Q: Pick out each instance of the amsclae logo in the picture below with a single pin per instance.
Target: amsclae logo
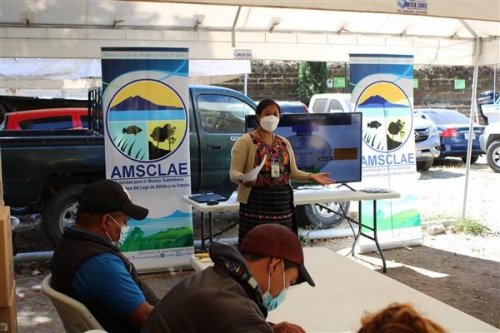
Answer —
(146, 120)
(387, 116)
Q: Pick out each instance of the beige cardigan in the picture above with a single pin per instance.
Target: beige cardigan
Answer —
(243, 159)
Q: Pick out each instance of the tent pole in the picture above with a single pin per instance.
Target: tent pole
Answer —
(473, 110)
(494, 82)
(245, 85)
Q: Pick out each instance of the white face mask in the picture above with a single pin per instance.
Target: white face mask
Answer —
(269, 123)
(123, 233)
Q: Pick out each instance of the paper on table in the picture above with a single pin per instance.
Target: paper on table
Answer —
(252, 175)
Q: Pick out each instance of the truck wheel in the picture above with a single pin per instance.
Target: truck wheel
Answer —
(425, 165)
(493, 156)
(315, 216)
(60, 211)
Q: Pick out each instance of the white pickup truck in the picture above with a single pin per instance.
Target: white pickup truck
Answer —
(426, 135)
(490, 139)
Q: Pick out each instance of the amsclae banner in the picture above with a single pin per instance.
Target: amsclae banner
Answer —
(382, 89)
(145, 103)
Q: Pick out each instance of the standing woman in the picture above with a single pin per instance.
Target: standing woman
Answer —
(269, 198)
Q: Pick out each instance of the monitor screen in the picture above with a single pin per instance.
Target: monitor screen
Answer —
(323, 142)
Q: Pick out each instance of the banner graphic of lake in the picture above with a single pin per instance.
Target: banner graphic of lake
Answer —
(146, 120)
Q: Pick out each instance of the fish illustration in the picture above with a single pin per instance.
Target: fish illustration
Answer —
(133, 129)
(374, 124)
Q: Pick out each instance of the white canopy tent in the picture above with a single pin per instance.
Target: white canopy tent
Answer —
(442, 34)
(437, 32)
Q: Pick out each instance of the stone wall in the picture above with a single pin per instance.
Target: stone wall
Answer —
(278, 80)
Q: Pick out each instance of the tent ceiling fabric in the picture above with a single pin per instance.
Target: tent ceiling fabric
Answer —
(313, 30)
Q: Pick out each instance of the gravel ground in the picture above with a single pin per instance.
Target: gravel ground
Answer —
(458, 269)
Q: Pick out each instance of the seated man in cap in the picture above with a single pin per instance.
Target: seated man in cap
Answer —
(88, 266)
(237, 292)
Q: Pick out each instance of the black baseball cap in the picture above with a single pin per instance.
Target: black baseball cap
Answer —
(107, 196)
(277, 241)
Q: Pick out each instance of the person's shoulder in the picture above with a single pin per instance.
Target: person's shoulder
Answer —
(104, 262)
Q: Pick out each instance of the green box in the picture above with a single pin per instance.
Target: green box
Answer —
(415, 83)
(339, 82)
(459, 84)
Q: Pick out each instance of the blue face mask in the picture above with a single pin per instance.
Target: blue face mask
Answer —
(270, 302)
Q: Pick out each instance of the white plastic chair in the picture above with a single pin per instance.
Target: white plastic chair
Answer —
(75, 316)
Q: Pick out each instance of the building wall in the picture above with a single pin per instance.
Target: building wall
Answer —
(278, 80)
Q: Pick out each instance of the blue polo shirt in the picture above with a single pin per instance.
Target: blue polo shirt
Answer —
(104, 278)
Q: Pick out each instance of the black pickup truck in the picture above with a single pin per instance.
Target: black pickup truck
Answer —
(45, 170)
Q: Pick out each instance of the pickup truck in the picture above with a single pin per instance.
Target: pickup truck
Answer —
(53, 118)
(45, 170)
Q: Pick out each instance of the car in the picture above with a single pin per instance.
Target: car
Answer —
(46, 119)
(453, 128)
(427, 142)
(292, 107)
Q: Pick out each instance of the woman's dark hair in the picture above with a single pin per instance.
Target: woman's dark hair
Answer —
(264, 103)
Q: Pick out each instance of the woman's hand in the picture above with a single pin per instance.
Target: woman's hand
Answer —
(322, 178)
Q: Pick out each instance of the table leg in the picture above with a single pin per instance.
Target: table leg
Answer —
(211, 226)
(384, 269)
(356, 236)
(202, 231)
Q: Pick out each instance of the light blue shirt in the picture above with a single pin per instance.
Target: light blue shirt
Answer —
(105, 279)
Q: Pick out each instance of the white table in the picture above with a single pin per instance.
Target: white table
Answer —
(345, 289)
(305, 196)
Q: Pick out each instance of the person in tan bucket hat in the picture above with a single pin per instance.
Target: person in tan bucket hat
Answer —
(236, 293)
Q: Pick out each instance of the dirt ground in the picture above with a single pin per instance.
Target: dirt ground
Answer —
(458, 269)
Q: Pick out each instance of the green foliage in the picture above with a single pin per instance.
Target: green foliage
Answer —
(170, 238)
(470, 226)
(312, 80)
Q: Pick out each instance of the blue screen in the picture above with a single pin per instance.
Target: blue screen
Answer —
(323, 142)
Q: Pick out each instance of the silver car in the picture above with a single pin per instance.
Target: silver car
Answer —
(426, 142)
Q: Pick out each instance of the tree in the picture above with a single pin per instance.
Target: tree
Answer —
(312, 80)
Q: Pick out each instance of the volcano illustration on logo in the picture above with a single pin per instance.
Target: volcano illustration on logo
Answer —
(146, 120)
(387, 116)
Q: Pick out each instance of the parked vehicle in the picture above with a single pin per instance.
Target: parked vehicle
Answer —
(292, 107)
(45, 170)
(326, 103)
(490, 139)
(426, 137)
(453, 128)
(46, 119)
(427, 143)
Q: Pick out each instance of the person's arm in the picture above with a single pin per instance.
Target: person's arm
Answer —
(239, 156)
(105, 279)
(297, 174)
(140, 315)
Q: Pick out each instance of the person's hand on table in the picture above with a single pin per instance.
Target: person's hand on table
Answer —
(322, 178)
(286, 327)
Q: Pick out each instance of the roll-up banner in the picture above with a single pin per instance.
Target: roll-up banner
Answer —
(145, 103)
(382, 89)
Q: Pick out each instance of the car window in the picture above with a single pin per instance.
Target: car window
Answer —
(62, 122)
(446, 117)
(335, 106)
(223, 114)
(319, 105)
